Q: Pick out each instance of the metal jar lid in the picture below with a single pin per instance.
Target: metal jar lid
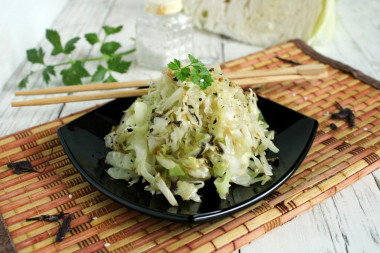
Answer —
(163, 7)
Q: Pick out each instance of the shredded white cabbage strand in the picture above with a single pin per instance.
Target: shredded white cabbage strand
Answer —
(178, 136)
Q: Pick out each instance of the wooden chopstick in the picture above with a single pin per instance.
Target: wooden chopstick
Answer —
(79, 98)
(87, 87)
(258, 81)
(312, 69)
(298, 70)
(253, 78)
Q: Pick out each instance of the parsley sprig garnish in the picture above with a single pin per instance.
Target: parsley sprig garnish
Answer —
(198, 74)
(74, 70)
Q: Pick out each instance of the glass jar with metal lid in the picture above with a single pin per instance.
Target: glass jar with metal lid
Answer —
(163, 33)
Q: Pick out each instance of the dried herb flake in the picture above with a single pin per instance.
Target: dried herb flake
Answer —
(344, 113)
(64, 228)
(333, 126)
(21, 167)
(48, 217)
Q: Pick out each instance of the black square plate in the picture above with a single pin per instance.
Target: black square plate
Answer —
(83, 141)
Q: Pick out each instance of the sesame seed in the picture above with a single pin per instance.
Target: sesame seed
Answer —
(304, 98)
(327, 113)
(94, 218)
(293, 94)
(70, 196)
(107, 244)
(202, 80)
(346, 141)
(365, 129)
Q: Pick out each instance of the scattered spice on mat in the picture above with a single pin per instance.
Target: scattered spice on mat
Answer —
(333, 126)
(92, 219)
(344, 113)
(48, 217)
(288, 61)
(21, 167)
(64, 228)
(351, 120)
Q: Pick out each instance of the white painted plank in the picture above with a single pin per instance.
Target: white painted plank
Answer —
(69, 24)
(208, 47)
(22, 25)
(302, 234)
(357, 36)
(233, 49)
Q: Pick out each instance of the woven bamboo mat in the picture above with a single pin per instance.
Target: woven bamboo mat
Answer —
(337, 159)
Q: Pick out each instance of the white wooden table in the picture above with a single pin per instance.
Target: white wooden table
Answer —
(347, 222)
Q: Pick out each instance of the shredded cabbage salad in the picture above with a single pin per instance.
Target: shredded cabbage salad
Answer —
(178, 136)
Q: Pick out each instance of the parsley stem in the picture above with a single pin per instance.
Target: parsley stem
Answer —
(100, 58)
(104, 40)
(96, 58)
(73, 70)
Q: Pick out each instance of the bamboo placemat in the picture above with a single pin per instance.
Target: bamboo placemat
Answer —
(337, 159)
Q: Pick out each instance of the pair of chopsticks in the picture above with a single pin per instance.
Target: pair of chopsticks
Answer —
(253, 78)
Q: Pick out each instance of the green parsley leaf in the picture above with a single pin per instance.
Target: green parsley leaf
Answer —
(196, 79)
(198, 65)
(22, 84)
(208, 79)
(70, 45)
(99, 74)
(174, 65)
(92, 38)
(204, 85)
(192, 59)
(199, 74)
(69, 77)
(110, 48)
(53, 37)
(183, 74)
(203, 71)
(186, 71)
(49, 70)
(80, 70)
(110, 79)
(74, 74)
(112, 30)
(35, 56)
(118, 65)
(180, 76)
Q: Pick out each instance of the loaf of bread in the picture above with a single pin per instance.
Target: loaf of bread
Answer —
(262, 22)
